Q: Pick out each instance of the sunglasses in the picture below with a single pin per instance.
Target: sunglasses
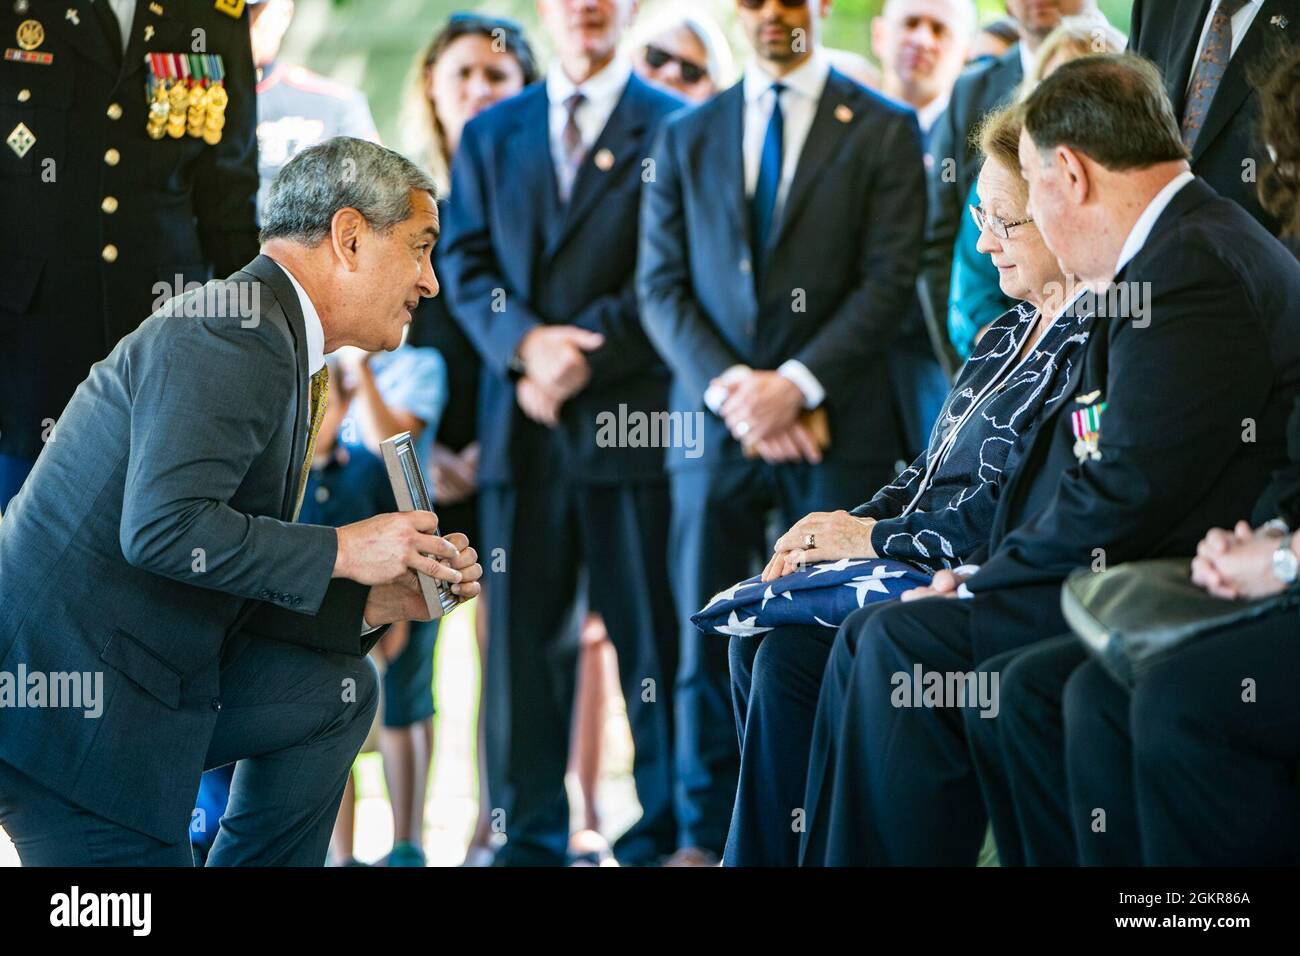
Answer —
(999, 227)
(759, 4)
(658, 58)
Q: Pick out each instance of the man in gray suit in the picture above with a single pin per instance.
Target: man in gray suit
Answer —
(153, 552)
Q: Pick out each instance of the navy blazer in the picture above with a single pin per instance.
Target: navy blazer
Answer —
(838, 269)
(1196, 414)
(515, 258)
(1167, 33)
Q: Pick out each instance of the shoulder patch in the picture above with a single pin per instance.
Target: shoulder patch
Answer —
(231, 8)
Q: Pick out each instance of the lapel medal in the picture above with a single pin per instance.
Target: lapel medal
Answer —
(1086, 424)
(604, 160)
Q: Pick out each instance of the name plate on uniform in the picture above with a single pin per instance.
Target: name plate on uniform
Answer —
(412, 494)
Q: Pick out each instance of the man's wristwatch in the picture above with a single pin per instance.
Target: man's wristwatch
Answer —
(1286, 566)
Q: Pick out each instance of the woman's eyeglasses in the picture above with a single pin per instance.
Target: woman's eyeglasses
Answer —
(999, 227)
(658, 58)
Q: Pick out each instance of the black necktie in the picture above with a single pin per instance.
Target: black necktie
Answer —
(112, 29)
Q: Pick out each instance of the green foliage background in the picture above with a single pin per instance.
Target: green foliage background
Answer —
(372, 44)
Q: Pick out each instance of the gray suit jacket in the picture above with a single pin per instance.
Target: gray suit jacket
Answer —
(155, 527)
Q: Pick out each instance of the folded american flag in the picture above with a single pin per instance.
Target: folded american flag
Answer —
(824, 593)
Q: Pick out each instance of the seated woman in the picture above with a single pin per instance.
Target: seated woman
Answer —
(931, 517)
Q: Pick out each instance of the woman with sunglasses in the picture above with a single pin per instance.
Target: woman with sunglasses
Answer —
(472, 63)
(684, 51)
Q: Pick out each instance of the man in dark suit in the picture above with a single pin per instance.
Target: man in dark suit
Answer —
(779, 244)
(953, 159)
(1214, 55)
(153, 551)
(112, 209)
(540, 253)
(1175, 420)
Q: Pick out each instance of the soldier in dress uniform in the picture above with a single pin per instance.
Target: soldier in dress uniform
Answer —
(296, 108)
(127, 169)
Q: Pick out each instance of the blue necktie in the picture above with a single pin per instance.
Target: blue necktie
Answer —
(769, 177)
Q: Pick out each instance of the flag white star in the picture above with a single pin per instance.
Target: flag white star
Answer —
(839, 565)
(875, 581)
(823, 623)
(768, 594)
(728, 594)
(737, 627)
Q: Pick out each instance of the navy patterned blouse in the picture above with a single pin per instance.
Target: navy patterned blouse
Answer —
(940, 509)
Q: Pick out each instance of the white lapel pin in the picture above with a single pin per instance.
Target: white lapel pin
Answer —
(1279, 21)
(73, 16)
(604, 160)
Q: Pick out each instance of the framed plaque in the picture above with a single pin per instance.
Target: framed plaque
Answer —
(404, 474)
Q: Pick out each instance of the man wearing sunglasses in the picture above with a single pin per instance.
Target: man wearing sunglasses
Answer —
(779, 246)
(540, 248)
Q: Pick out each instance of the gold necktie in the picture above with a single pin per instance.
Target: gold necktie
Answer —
(320, 391)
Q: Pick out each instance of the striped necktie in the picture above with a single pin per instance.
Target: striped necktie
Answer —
(571, 143)
(1209, 70)
(320, 390)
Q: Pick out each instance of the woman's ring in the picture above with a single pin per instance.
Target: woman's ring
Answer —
(810, 541)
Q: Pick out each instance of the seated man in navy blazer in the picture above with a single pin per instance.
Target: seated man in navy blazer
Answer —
(1173, 423)
(540, 251)
(780, 237)
(154, 550)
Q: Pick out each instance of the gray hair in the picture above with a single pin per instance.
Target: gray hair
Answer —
(340, 173)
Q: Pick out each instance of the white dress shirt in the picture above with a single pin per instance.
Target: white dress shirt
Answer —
(803, 90)
(125, 13)
(1027, 58)
(310, 319)
(1141, 231)
(602, 92)
(1241, 21)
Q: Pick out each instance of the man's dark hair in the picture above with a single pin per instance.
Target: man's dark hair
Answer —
(1112, 107)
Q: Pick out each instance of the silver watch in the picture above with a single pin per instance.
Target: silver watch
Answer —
(1286, 566)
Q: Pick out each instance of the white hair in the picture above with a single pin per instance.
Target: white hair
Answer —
(677, 13)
